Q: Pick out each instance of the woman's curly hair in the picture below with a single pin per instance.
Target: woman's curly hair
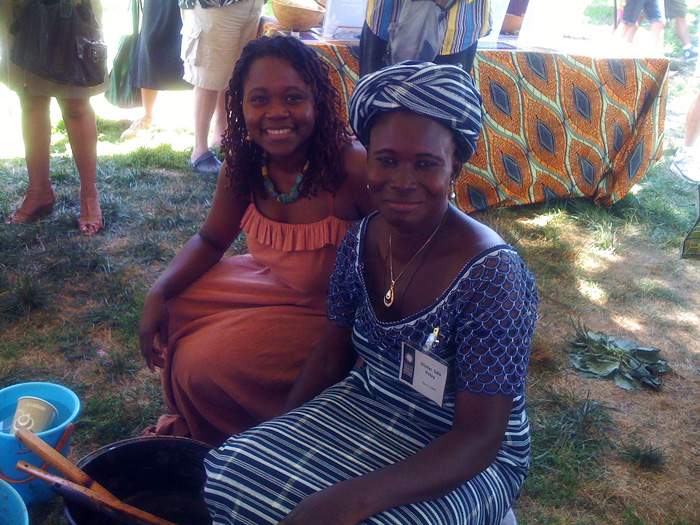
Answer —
(244, 157)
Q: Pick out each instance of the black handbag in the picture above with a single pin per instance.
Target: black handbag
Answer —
(120, 92)
(61, 41)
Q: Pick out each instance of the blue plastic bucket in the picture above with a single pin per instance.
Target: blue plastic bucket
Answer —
(13, 511)
(31, 489)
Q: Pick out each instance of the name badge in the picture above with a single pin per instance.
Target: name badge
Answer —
(423, 373)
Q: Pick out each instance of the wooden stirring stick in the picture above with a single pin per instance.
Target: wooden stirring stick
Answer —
(57, 461)
(136, 515)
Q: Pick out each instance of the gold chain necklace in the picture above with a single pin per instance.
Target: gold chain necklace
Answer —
(389, 295)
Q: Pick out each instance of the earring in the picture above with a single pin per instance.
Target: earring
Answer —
(247, 137)
(453, 191)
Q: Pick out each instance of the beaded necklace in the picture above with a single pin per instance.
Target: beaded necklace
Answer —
(285, 198)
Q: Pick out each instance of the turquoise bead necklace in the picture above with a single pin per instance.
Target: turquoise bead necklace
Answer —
(284, 198)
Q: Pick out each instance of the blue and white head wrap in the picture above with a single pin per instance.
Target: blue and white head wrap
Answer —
(443, 93)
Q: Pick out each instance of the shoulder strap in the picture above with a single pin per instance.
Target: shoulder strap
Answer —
(135, 16)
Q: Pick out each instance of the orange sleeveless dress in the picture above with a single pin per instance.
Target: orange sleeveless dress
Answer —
(240, 334)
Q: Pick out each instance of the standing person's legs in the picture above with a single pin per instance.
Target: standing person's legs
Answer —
(156, 64)
(686, 164)
(36, 132)
(630, 14)
(692, 122)
(657, 20)
(148, 97)
(677, 10)
(204, 108)
(81, 126)
(657, 36)
(144, 123)
(212, 42)
(682, 30)
(219, 120)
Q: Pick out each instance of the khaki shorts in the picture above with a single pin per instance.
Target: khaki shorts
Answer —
(675, 8)
(213, 38)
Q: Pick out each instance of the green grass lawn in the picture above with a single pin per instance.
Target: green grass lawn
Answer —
(70, 305)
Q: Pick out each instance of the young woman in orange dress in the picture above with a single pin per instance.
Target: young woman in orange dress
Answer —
(232, 333)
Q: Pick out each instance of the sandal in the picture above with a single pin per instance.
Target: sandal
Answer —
(19, 216)
(207, 163)
(91, 220)
(138, 127)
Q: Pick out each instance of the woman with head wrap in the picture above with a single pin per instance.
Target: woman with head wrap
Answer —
(429, 426)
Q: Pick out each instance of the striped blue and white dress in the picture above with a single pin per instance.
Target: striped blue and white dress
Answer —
(371, 419)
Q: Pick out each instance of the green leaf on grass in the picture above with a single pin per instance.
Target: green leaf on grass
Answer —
(630, 365)
(625, 382)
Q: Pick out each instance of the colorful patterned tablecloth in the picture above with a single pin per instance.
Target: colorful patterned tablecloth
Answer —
(555, 126)
(558, 126)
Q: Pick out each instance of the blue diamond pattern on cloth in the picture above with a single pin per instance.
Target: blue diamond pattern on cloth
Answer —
(478, 199)
(582, 102)
(619, 137)
(550, 194)
(538, 65)
(617, 69)
(544, 133)
(635, 161)
(587, 169)
(512, 168)
(500, 97)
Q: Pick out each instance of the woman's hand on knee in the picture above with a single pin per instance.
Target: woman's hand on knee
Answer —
(153, 332)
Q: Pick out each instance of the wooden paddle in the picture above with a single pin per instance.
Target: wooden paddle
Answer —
(78, 484)
(57, 461)
(79, 493)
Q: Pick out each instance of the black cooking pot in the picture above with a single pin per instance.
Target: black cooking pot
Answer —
(161, 475)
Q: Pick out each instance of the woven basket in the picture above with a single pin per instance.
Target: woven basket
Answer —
(297, 18)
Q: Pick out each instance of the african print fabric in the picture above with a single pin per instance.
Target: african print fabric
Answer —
(554, 126)
(559, 126)
(372, 419)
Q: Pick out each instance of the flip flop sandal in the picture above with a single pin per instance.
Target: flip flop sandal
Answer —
(206, 163)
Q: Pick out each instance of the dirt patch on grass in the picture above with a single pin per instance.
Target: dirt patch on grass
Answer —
(646, 293)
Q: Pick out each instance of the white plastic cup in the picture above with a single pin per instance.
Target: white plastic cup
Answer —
(33, 414)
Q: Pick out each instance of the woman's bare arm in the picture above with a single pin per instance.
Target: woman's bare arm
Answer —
(197, 256)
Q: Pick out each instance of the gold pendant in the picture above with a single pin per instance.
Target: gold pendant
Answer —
(389, 296)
